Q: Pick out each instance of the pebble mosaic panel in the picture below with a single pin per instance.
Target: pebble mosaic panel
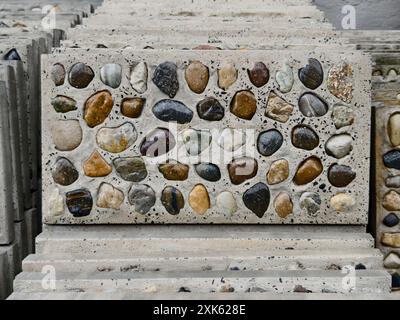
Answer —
(205, 137)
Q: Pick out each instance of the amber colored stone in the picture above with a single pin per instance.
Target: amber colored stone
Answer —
(97, 108)
(173, 170)
(132, 107)
(96, 166)
(283, 205)
(244, 105)
(196, 76)
(242, 169)
(308, 170)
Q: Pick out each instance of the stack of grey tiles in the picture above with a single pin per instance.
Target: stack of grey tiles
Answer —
(25, 34)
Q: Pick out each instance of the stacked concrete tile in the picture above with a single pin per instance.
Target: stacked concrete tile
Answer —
(23, 40)
(103, 98)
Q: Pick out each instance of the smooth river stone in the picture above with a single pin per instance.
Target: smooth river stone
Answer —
(283, 205)
(172, 111)
(166, 78)
(340, 81)
(242, 169)
(340, 176)
(55, 203)
(391, 201)
(259, 74)
(278, 172)
(138, 77)
(244, 105)
(63, 104)
(196, 141)
(285, 78)
(227, 75)
(342, 202)
(393, 182)
(80, 75)
(391, 159)
(111, 75)
(269, 142)
(392, 261)
(79, 202)
(12, 55)
(310, 202)
(64, 172)
(312, 106)
(210, 109)
(58, 74)
(339, 146)
(97, 108)
(96, 166)
(257, 199)
(304, 137)
(199, 199)
(172, 199)
(278, 109)
(131, 169)
(232, 139)
(174, 170)
(66, 134)
(312, 74)
(208, 171)
(157, 142)
(109, 197)
(342, 116)
(132, 107)
(391, 239)
(391, 220)
(116, 140)
(394, 129)
(308, 170)
(142, 197)
(196, 76)
(226, 202)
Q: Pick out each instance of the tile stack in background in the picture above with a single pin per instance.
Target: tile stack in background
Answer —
(22, 40)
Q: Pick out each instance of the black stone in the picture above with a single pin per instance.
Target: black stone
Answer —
(340, 176)
(64, 172)
(391, 159)
(157, 142)
(257, 199)
(172, 110)
(312, 106)
(3, 25)
(312, 74)
(208, 171)
(80, 75)
(210, 109)
(269, 142)
(360, 266)
(391, 220)
(395, 281)
(79, 202)
(172, 200)
(305, 138)
(12, 55)
(166, 78)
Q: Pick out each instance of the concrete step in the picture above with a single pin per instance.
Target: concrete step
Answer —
(281, 281)
(129, 295)
(320, 259)
(189, 238)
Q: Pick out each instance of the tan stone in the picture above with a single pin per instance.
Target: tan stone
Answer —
(278, 172)
(278, 109)
(391, 201)
(227, 75)
(174, 171)
(109, 197)
(199, 199)
(394, 129)
(342, 202)
(308, 170)
(283, 205)
(196, 76)
(391, 239)
(97, 108)
(340, 81)
(244, 105)
(96, 166)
